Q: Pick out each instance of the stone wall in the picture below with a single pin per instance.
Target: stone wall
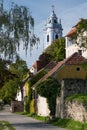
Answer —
(69, 87)
(73, 86)
(76, 110)
(17, 106)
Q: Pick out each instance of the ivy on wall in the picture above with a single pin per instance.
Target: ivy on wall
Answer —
(29, 99)
(84, 65)
(49, 89)
(81, 27)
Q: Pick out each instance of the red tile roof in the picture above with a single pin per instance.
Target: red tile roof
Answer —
(37, 65)
(71, 32)
(50, 73)
(75, 59)
(74, 28)
(51, 65)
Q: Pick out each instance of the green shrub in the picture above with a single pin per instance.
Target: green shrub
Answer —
(70, 124)
(49, 89)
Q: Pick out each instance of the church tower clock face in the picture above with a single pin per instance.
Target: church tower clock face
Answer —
(56, 30)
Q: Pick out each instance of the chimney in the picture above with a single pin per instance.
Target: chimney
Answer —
(80, 52)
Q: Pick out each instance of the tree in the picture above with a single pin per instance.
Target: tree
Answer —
(9, 90)
(2, 72)
(12, 79)
(56, 50)
(15, 29)
(19, 68)
(5, 75)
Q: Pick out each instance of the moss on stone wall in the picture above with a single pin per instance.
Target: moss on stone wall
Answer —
(78, 97)
(76, 107)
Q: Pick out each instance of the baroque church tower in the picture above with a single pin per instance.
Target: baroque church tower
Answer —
(53, 28)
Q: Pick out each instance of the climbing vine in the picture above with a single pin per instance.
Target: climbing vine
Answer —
(82, 38)
(82, 26)
(30, 83)
(84, 65)
(49, 89)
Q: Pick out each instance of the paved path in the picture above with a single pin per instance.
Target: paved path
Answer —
(21, 122)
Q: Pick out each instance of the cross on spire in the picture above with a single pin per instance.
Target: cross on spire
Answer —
(52, 8)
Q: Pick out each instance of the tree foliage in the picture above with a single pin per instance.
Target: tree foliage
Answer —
(19, 68)
(12, 78)
(15, 29)
(82, 33)
(9, 90)
(5, 75)
(49, 89)
(56, 50)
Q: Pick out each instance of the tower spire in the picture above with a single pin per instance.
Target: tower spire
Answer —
(53, 28)
(52, 8)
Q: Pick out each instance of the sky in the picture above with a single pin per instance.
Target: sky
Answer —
(69, 11)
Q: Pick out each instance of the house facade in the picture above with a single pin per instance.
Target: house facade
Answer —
(72, 76)
(71, 42)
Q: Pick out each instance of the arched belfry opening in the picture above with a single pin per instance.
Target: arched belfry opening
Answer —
(56, 36)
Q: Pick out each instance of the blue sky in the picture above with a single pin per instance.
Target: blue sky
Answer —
(69, 11)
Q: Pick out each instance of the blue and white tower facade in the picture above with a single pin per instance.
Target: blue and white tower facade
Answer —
(53, 28)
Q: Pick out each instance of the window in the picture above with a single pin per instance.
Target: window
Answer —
(55, 21)
(47, 38)
(78, 69)
(50, 21)
(56, 37)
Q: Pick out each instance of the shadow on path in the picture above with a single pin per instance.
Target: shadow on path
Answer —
(21, 122)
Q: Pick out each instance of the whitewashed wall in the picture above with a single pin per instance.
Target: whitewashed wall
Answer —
(33, 70)
(42, 107)
(72, 47)
(19, 96)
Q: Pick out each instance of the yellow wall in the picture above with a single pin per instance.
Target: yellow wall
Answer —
(70, 71)
(26, 89)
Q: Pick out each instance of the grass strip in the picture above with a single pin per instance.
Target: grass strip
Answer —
(70, 124)
(5, 124)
